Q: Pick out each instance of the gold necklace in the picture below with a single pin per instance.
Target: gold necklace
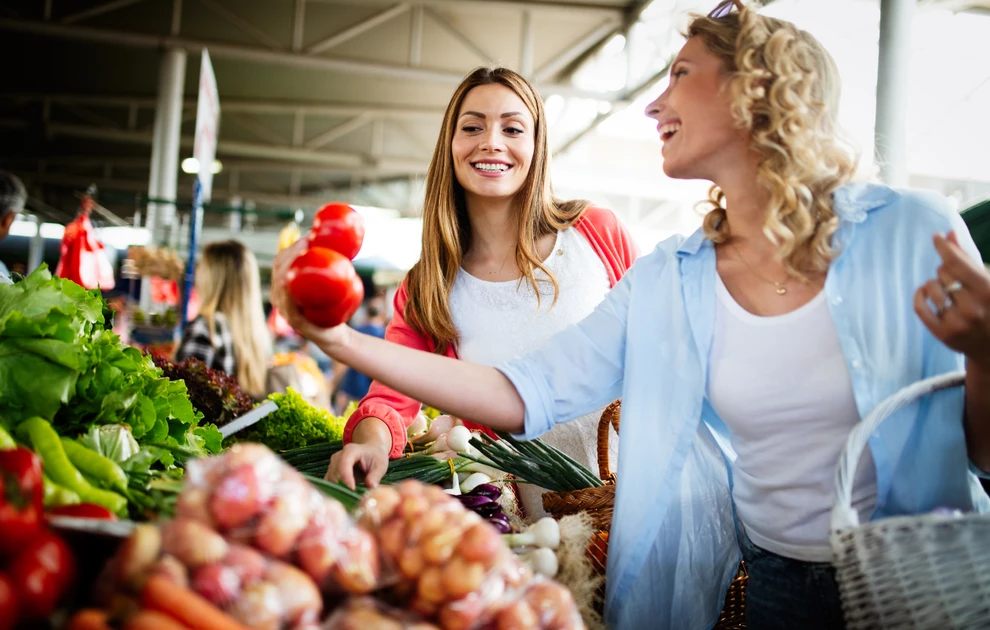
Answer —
(781, 289)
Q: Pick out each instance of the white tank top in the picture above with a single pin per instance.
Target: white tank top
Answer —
(498, 321)
(782, 387)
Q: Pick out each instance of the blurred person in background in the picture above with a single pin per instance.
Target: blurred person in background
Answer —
(505, 264)
(229, 333)
(12, 199)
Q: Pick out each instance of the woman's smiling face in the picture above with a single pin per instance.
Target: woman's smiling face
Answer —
(493, 142)
(693, 116)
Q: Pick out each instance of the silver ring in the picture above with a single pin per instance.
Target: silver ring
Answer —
(952, 287)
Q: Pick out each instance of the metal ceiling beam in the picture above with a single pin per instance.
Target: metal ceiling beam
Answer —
(256, 127)
(466, 41)
(353, 162)
(416, 36)
(540, 6)
(526, 45)
(230, 51)
(342, 129)
(298, 25)
(253, 106)
(241, 24)
(353, 31)
(99, 9)
(176, 18)
(603, 31)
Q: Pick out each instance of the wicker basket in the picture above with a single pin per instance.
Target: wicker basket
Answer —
(599, 503)
(925, 571)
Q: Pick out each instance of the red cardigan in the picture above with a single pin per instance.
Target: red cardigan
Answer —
(607, 236)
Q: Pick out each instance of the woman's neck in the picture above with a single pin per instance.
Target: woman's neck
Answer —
(494, 229)
(746, 207)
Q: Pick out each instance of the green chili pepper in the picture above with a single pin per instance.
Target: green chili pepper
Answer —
(56, 495)
(93, 465)
(46, 443)
(5, 440)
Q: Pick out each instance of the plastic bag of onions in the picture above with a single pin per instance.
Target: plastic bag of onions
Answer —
(454, 568)
(252, 497)
(365, 613)
(173, 566)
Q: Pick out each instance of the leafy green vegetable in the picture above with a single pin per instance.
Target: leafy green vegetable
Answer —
(113, 441)
(296, 423)
(58, 361)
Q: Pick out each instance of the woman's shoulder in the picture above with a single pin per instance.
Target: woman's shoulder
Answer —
(859, 201)
(598, 217)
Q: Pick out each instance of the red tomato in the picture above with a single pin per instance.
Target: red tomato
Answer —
(339, 227)
(8, 603)
(42, 573)
(84, 510)
(325, 287)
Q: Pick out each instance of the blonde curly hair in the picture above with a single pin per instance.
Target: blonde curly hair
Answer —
(784, 88)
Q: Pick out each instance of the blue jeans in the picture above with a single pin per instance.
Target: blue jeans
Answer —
(789, 594)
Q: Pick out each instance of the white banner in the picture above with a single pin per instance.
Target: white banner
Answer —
(207, 125)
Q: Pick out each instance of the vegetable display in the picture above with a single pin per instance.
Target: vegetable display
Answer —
(213, 393)
(533, 461)
(103, 419)
(295, 424)
(454, 568)
(250, 495)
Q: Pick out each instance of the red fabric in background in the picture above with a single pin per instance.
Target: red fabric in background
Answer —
(82, 258)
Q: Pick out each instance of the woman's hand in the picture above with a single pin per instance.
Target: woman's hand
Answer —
(368, 450)
(956, 306)
(326, 338)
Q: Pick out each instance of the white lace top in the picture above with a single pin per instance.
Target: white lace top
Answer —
(499, 320)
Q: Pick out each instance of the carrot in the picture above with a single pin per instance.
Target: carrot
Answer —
(89, 619)
(180, 603)
(152, 620)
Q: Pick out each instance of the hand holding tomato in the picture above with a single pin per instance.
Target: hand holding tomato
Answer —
(324, 337)
(322, 283)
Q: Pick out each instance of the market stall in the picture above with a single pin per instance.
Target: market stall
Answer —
(122, 467)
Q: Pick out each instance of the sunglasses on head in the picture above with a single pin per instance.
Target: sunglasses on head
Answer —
(724, 8)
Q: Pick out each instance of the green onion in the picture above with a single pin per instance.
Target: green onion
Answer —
(533, 462)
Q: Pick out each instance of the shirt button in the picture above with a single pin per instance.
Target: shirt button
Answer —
(837, 300)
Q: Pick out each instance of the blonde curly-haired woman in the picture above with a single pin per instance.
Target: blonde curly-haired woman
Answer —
(745, 353)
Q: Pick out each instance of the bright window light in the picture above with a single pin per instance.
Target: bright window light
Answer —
(191, 165)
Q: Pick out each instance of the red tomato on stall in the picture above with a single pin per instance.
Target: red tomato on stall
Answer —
(42, 573)
(325, 286)
(339, 227)
(8, 603)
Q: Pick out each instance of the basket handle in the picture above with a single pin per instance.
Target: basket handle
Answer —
(609, 416)
(843, 515)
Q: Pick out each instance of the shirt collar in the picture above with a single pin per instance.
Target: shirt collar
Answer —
(850, 203)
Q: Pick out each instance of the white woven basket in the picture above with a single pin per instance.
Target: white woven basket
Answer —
(926, 571)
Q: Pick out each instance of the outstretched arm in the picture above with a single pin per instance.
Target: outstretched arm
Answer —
(459, 388)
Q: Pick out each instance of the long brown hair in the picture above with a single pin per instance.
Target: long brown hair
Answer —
(228, 282)
(447, 230)
(784, 88)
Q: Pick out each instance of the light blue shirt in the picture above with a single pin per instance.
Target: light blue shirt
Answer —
(672, 547)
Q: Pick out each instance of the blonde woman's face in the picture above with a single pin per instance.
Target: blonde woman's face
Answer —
(493, 142)
(694, 119)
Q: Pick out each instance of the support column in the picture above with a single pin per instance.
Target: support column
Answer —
(36, 248)
(164, 175)
(893, 76)
(526, 46)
